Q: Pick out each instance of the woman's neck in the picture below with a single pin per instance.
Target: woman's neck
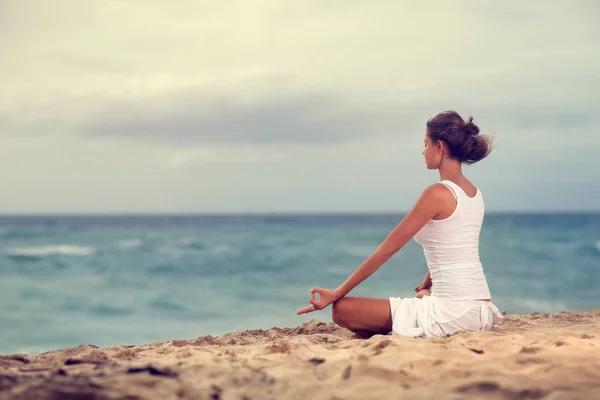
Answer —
(450, 170)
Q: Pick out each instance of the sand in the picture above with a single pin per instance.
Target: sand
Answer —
(530, 356)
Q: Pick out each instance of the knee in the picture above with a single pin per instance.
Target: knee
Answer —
(339, 311)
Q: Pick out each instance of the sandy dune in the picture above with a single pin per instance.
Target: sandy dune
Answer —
(531, 356)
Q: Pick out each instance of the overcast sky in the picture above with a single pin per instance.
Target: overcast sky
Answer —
(282, 106)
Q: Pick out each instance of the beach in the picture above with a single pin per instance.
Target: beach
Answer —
(529, 356)
(179, 179)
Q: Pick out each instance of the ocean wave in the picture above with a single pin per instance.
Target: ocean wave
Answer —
(107, 310)
(129, 243)
(538, 305)
(23, 233)
(223, 249)
(164, 269)
(167, 305)
(192, 243)
(182, 246)
(41, 251)
(590, 249)
(170, 251)
(339, 271)
(542, 250)
(357, 250)
(179, 249)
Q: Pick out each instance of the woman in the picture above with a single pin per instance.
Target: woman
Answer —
(446, 220)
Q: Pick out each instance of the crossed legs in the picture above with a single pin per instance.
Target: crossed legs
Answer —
(365, 316)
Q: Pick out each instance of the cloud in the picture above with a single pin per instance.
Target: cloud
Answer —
(298, 105)
(272, 73)
(229, 155)
(202, 116)
(276, 110)
(198, 117)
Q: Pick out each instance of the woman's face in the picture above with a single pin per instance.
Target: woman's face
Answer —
(432, 152)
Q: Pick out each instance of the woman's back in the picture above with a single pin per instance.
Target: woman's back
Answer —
(451, 247)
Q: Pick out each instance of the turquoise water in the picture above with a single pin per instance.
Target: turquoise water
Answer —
(101, 280)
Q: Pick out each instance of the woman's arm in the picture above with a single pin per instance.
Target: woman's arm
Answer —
(427, 206)
(426, 282)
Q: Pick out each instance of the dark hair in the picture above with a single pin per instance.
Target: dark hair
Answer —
(462, 138)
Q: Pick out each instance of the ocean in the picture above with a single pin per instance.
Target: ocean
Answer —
(113, 280)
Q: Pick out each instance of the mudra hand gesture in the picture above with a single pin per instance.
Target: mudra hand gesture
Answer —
(422, 292)
(327, 297)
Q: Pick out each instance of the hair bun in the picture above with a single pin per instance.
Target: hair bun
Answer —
(471, 128)
(462, 138)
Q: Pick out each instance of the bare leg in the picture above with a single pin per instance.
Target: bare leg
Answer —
(365, 316)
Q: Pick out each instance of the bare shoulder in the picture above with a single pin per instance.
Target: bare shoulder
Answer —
(436, 201)
(436, 192)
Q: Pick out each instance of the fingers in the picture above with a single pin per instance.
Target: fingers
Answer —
(316, 304)
(306, 310)
(313, 300)
(321, 292)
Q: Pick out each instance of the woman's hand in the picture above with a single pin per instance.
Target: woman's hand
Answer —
(423, 286)
(327, 297)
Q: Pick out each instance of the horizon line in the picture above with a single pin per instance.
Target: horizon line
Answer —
(266, 213)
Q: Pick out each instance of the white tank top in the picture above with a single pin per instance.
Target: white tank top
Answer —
(451, 247)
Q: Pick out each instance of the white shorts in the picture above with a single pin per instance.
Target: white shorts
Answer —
(435, 316)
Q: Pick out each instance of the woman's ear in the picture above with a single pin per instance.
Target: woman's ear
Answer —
(441, 146)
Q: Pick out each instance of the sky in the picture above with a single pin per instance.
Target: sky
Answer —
(147, 106)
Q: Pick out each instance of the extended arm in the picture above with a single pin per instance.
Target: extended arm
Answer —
(426, 207)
